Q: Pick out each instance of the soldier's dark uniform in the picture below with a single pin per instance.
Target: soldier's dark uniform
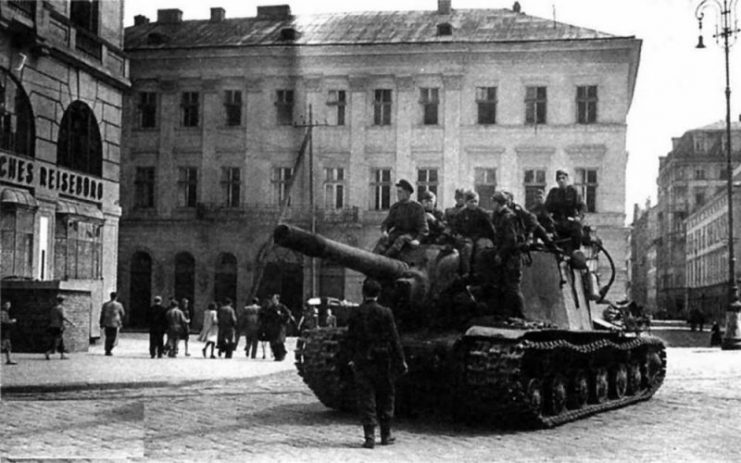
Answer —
(528, 224)
(474, 228)
(405, 222)
(376, 352)
(507, 260)
(436, 225)
(566, 207)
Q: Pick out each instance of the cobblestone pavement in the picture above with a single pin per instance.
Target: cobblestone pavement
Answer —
(693, 417)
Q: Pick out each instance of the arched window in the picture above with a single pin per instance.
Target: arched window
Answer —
(79, 145)
(140, 288)
(225, 279)
(16, 117)
(185, 276)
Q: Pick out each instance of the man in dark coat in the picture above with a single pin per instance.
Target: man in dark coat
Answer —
(506, 259)
(405, 225)
(157, 328)
(565, 205)
(227, 328)
(376, 360)
(276, 318)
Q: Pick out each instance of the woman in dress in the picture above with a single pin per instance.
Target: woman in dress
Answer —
(210, 330)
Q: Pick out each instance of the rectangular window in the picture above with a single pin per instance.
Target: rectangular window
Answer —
(429, 99)
(16, 241)
(233, 107)
(147, 110)
(230, 186)
(699, 174)
(586, 104)
(485, 184)
(284, 107)
(144, 188)
(535, 105)
(534, 183)
(187, 186)
(486, 100)
(380, 189)
(84, 14)
(281, 180)
(427, 180)
(189, 108)
(585, 182)
(336, 102)
(334, 188)
(382, 107)
(77, 248)
(699, 196)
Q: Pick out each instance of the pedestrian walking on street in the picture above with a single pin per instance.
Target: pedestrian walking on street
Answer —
(376, 359)
(157, 328)
(188, 312)
(210, 331)
(6, 326)
(56, 328)
(276, 319)
(715, 336)
(248, 324)
(176, 323)
(227, 328)
(111, 320)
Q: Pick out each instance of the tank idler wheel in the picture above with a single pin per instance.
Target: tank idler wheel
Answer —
(579, 394)
(652, 369)
(557, 395)
(600, 385)
(619, 381)
(634, 377)
(535, 394)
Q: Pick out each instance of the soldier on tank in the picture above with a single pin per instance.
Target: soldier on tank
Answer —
(377, 359)
(405, 224)
(460, 204)
(435, 219)
(544, 218)
(565, 205)
(475, 230)
(506, 256)
(527, 223)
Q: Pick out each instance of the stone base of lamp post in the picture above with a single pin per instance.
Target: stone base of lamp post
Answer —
(732, 335)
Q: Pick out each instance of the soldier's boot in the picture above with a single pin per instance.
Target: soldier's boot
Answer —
(370, 436)
(386, 437)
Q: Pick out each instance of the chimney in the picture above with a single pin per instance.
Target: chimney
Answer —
(516, 7)
(217, 14)
(140, 19)
(274, 12)
(169, 16)
(443, 6)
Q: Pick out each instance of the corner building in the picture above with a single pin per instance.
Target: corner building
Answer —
(444, 98)
(63, 73)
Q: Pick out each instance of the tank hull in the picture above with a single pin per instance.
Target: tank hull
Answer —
(506, 378)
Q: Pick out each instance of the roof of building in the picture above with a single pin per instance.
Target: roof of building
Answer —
(374, 27)
(718, 125)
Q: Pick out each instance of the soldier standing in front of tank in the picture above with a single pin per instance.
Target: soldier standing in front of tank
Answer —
(507, 258)
(566, 206)
(405, 224)
(377, 359)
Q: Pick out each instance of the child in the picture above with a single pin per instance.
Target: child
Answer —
(210, 330)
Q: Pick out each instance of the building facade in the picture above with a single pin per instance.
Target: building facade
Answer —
(643, 243)
(445, 98)
(63, 73)
(689, 176)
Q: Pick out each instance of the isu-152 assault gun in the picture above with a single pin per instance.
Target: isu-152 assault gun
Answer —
(468, 358)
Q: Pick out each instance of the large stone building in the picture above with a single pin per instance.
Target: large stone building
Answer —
(689, 175)
(446, 98)
(63, 73)
(643, 243)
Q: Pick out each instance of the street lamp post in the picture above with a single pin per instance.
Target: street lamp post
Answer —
(725, 35)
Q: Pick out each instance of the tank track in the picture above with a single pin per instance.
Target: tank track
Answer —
(548, 383)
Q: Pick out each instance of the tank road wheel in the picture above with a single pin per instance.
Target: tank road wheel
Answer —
(634, 377)
(652, 369)
(557, 395)
(619, 381)
(579, 394)
(600, 385)
(535, 394)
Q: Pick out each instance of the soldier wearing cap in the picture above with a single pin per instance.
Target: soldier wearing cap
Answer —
(475, 230)
(435, 218)
(565, 205)
(506, 255)
(527, 223)
(405, 224)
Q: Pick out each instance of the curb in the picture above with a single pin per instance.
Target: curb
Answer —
(53, 388)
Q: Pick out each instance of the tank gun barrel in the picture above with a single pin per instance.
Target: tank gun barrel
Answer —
(315, 245)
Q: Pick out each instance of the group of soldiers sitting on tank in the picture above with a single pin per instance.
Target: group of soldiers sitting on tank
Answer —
(490, 244)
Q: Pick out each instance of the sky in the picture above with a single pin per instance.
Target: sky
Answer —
(679, 87)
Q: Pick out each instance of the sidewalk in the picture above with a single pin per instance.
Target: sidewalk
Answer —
(131, 367)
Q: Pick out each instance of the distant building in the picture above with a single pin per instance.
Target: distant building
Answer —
(445, 98)
(707, 254)
(689, 175)
(63, 73)
(643, 239)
